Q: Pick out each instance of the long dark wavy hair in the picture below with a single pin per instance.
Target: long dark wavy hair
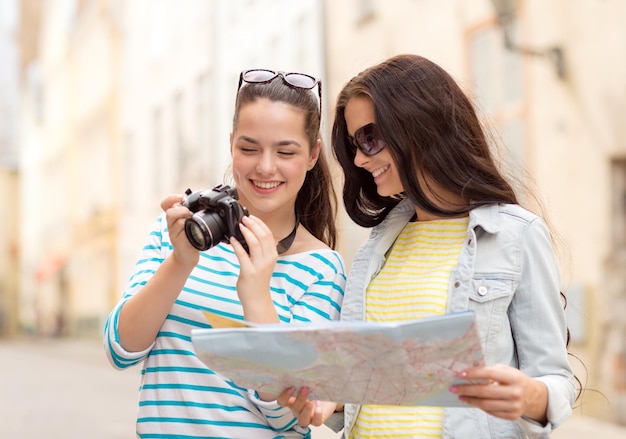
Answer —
(316, 203)
(430, 128)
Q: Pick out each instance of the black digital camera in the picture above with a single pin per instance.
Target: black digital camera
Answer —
(216, 217)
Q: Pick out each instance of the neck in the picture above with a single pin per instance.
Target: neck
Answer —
(422, 215)
(279, 221)
(283, 228)
(445, 201)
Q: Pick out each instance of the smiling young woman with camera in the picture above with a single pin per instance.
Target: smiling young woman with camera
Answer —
(272, 262)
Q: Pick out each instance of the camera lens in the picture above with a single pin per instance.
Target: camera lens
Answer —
(203, 231)
(196, 235)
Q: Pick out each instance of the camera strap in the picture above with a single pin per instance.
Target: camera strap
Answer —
(284, 244)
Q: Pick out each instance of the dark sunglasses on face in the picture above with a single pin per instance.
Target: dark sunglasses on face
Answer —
(368, 140)
(294, 80)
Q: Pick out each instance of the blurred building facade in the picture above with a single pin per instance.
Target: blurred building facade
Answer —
(123, 102)
(69, 142)
(9, 110)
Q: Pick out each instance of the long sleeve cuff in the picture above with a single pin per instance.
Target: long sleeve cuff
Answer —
(278, 417)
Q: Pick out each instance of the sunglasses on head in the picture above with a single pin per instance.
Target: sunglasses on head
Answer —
(294, 80)
(368, 140)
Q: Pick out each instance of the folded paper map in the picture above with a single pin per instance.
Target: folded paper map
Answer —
(407, 363)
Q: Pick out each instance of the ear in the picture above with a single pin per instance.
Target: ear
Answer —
(231, 143)
(315, 154)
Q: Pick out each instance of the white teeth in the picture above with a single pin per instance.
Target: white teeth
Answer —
(379, 171)
(266, 184)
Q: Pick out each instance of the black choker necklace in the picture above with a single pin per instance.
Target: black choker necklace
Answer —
(284, 244)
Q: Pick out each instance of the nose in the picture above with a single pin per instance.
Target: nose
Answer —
(360, 159)
(266, 164)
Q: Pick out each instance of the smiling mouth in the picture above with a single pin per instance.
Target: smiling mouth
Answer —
(266, 184)
(379, 171)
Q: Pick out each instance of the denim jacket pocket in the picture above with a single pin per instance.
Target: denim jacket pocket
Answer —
(490, 299)
(487, 289)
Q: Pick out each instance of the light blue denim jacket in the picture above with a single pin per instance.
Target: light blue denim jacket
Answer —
(508, 274)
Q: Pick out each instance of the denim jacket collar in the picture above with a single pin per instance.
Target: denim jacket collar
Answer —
(485, 217)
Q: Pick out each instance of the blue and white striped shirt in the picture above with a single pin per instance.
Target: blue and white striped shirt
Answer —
(179, 395)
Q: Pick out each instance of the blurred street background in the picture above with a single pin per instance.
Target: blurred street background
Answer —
(106, 106)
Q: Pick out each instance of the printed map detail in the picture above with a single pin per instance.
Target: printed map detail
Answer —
(412, 363)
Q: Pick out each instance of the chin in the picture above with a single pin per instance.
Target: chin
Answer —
(385, 190)
(385, 193)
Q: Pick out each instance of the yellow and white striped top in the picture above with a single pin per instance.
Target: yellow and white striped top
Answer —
(413, 283)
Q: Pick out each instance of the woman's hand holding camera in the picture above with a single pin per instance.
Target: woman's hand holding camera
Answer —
(257, 266)
(176, 214)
